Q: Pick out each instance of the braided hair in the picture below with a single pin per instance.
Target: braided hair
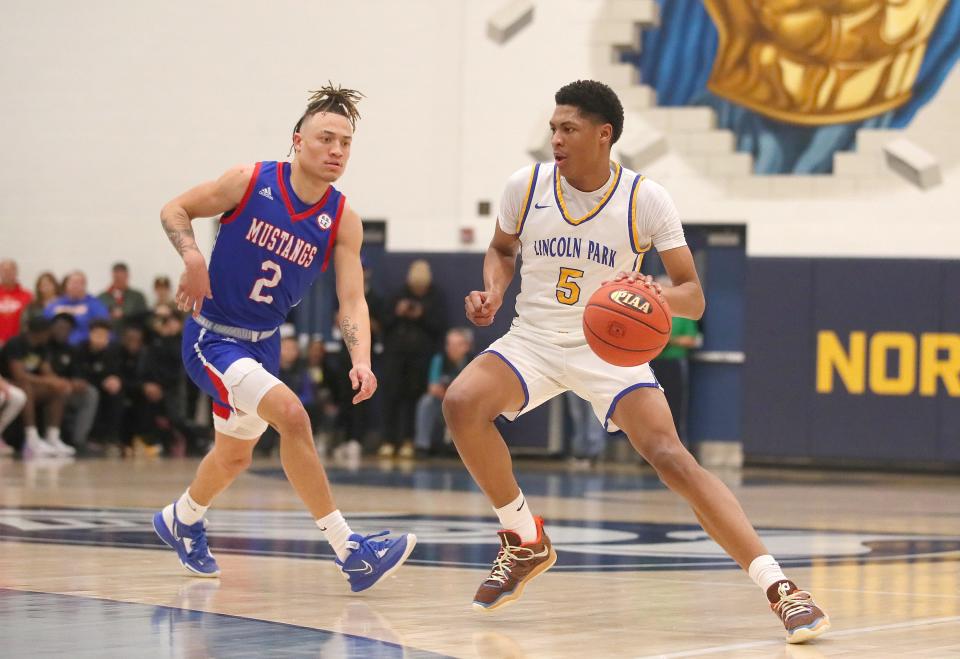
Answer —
(332, 99)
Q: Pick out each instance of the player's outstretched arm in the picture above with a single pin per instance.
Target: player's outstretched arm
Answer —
(499, 266)
(685, 296)
(354, 314)
(205, 200)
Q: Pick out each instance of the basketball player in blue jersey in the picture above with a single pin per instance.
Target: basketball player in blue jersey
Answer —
(577, 222)
(281, 224)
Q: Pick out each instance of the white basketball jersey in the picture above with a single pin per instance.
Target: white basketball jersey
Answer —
(572, 240)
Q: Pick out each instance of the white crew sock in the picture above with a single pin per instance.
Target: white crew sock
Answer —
(337, 532)
(30, 434)
(765, 571)
(189, 512)
(53, 434)
(516, 517)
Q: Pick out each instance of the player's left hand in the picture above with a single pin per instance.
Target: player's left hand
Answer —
(362, 379)
(638, 279)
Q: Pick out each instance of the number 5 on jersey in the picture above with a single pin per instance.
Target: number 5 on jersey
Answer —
(266, 282)
(568, 291)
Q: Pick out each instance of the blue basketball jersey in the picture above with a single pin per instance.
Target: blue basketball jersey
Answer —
(269, 250)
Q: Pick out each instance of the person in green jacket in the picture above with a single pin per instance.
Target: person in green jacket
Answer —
(124, 303)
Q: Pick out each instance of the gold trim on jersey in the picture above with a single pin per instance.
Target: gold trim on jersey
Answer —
(531, 186)
(632, 220)
(637, 262)
(558, 194)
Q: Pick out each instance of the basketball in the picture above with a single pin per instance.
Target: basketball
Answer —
(626, 324)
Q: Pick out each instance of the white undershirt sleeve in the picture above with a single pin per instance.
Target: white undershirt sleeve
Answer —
(514, 192)
(658, 217)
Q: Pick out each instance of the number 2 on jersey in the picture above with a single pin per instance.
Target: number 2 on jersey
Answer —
(568, 291)
(266, 282)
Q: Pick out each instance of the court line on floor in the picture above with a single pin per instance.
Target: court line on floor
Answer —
(847, 632)
(662, 577)
(405, 648)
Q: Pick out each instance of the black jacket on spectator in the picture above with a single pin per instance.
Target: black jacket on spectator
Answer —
(420, 335)
(19, 348)
(65, 360)
(408, 345)
(131, 368)
(95, 367)
(162, 363)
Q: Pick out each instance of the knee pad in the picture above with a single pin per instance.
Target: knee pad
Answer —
(247, 381)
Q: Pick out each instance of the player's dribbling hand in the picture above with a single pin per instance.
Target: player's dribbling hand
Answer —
(481, 307)
(638, 279)
(194, 285)
(364, 382)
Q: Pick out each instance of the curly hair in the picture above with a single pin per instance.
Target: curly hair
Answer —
(332, 99)
(595, 101)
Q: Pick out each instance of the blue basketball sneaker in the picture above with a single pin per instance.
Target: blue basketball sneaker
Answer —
(372, 560)
(190, 542)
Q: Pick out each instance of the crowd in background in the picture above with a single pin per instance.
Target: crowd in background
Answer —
(102, 374)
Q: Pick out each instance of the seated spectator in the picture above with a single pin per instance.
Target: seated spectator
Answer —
(163, 293)
(444, 367)
(135, 413)
(100, 365)
(79, 304)
(12, 400)
(354, 422)
(24, 360)
(164, 384)
(81, 404)
(319, 398)
(45, 290)
(123, 303)
(13, 300)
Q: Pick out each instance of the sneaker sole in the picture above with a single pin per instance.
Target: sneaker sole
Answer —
(808, 633)
(411, 543)
(504, 600)
(160, 534)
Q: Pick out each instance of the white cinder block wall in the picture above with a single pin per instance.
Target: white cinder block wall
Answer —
(111, 108)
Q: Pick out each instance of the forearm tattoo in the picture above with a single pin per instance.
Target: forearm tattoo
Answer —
(181, 238)
(351, 332)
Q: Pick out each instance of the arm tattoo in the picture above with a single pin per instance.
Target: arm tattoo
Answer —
(350, 330)
(182, 239)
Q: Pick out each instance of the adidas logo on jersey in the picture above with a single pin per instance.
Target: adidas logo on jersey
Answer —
(266, 192)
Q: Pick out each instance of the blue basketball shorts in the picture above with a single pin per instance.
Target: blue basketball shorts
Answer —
(235, 374)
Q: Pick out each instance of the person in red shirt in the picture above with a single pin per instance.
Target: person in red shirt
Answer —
(13, 300)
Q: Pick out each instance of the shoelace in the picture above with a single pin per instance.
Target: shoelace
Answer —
(793, 604)
(199, 538)
(506, 559)
(374, 545)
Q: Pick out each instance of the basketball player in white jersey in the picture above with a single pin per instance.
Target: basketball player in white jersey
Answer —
(577, 222)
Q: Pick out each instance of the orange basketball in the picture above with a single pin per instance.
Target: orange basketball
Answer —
(626, 324)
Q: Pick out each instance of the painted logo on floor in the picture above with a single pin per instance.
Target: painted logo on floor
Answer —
(470, 541)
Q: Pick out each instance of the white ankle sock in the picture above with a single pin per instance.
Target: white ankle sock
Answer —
(337, 532)
(189, 511)
(516, 517)
(30, 433)
(765, 571)
(53, 434)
